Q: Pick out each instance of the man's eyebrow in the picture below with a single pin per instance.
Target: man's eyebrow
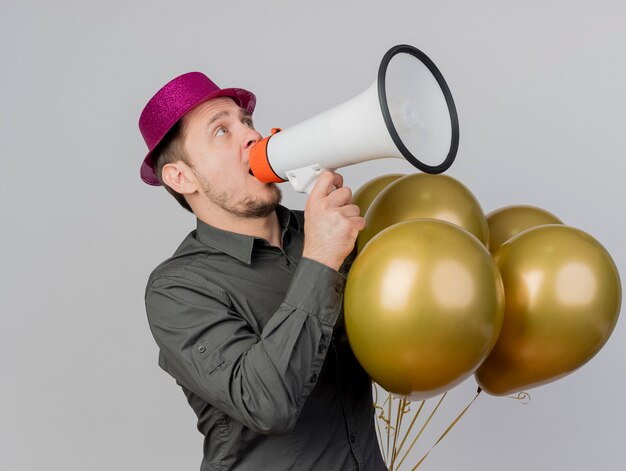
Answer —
(217, 116)
(244, 113)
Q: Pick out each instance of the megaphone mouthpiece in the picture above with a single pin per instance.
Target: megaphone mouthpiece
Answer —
(259, 161)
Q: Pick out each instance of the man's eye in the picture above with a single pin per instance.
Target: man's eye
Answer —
(248, 122)
(220, 132)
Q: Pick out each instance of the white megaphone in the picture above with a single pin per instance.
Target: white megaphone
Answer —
(407, 113)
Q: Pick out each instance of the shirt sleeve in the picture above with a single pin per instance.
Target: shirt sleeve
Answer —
(261, 381)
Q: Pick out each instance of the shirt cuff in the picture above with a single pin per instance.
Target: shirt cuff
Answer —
(317, 289)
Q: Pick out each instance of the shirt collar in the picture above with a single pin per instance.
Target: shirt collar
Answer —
(238, 245)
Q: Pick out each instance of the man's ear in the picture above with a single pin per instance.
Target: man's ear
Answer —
(179, 177)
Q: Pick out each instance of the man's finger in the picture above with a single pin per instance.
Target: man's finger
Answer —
(341, 198)
(350, 210)
(327, 181)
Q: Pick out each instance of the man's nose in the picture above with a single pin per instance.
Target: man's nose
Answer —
(251, 138)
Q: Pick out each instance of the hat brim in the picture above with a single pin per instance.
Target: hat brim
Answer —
(244, 99)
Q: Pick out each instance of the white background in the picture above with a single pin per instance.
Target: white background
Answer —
(539, 86)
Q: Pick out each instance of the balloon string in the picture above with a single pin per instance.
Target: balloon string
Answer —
(408, 432)
(422, 429)
(522, 397)
(388, 427)
(401, 408)
(449, 428)
(376, 406)
(387, 421)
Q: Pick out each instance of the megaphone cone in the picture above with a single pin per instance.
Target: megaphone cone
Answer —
(407, 113)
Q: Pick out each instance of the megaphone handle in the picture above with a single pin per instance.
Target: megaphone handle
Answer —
(303, 179)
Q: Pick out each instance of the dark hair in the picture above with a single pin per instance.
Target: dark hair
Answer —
(171, 150)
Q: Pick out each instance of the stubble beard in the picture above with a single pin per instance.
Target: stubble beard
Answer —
(250, 206)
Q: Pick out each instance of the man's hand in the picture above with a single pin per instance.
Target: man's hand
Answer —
(331, 222)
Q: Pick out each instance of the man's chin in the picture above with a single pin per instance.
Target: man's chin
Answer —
(265, 207)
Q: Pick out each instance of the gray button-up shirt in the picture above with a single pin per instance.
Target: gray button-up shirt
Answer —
(253, 335)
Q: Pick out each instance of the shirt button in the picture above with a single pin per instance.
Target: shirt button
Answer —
(313, 378)
(322, 348)
(339, 288)
(352, 438)
(202, 349)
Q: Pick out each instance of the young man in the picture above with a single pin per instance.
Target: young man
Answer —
(247, 312)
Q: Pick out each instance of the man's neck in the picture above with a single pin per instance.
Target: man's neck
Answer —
(267, 228)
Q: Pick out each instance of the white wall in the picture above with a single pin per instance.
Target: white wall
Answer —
(539, 89)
